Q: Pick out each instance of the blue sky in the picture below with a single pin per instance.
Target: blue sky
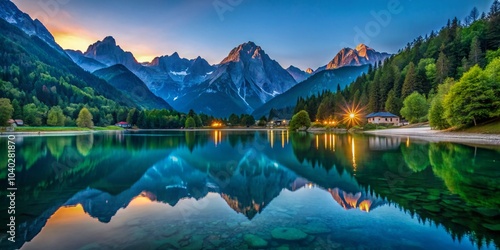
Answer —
(301, 33)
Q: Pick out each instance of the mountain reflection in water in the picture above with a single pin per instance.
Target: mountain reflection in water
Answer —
(102, 174)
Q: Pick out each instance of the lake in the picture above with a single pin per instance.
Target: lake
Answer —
(273, 189)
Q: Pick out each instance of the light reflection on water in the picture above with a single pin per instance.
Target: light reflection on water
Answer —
(211, 189)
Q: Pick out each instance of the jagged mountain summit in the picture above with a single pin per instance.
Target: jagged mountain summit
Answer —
(10, 13)
(184, 71)
(298, 74)
(166, 76)
(356, 57)
(109, 53)
(244, 80)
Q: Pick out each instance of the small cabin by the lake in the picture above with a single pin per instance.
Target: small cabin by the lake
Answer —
(16, 122)
(383, 118)
(123, 125)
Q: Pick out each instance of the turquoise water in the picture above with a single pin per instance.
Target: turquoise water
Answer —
(252, 189)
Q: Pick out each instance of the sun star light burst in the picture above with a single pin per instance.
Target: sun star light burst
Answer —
(352, 114)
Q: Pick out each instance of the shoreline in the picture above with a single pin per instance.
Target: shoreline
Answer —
(429, 135)
(73, 132)
(425, 134)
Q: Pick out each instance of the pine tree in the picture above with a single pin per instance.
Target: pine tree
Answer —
(393, 103)
(410, 83)
(475, 54)
(442, 68)
(18, 111)
(474, 14)
(141, 120)
(494, 9)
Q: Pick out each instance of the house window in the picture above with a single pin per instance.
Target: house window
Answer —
(385, 119)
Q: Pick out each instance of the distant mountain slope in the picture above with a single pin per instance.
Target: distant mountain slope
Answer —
(34, 72)
(298, 74)
(86, 63)
(131, 86)
(324, 80)
(246, 79)
(10, 13)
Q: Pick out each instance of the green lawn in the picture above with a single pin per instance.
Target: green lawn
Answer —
(56, 129)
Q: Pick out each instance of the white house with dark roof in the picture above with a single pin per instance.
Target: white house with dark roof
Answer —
(383, 118)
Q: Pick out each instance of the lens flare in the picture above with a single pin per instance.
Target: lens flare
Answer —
(352, 114)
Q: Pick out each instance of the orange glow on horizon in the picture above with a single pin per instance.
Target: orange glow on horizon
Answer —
(64, 214)
(76, 39)
(73, 41)
(144, 58)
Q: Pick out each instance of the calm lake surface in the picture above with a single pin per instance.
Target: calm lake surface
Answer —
(251, 189)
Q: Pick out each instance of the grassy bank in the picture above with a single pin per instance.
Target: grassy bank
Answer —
(492, 127)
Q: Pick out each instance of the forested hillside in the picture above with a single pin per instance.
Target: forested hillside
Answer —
(35, 78)
(456, 53)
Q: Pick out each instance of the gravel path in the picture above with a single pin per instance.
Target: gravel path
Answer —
(436, 136)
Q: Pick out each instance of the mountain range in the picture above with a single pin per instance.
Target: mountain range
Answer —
(247, 80)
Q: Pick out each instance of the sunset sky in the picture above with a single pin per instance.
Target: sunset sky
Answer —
(301, 33)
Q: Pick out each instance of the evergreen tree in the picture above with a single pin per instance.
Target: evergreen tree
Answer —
(234, 119)
(474, 15)
(141, 120)
(18, 111)
(442, 70)
(198, 121)
(373, 98)
(410, 83)
(393, 103)
(262, 121)
(494, 9)
(475, 54)
(249, 120)
(132, 117)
